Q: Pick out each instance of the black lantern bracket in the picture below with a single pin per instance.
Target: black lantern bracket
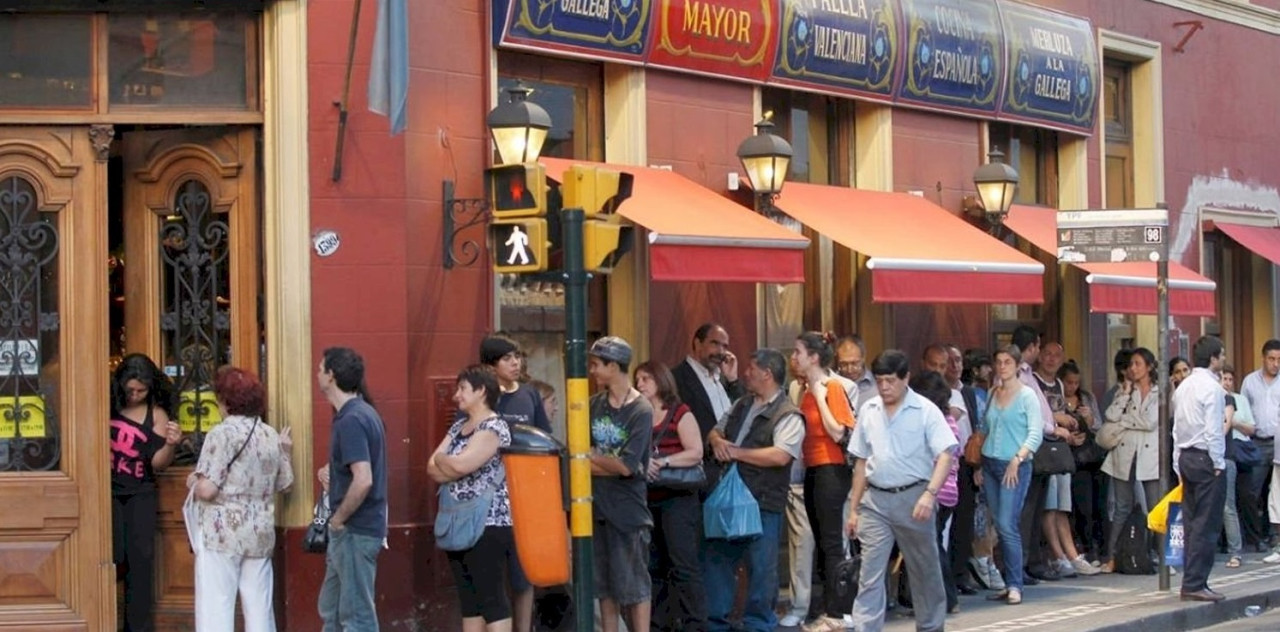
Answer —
(459, 215)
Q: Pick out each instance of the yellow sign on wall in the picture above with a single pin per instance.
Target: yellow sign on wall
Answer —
(25, 414)
(206, 407)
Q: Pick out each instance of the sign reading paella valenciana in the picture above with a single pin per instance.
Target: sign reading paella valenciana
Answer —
(844, 45)
(992, 59)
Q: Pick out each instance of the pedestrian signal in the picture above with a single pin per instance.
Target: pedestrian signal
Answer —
(519, 245)
(595, 190)
(516, 190)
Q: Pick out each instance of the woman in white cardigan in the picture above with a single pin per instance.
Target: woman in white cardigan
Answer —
(1136, 407)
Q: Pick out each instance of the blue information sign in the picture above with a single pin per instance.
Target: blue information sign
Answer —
(953, 58)
(611, 29)
(847, 46)
(1053, 68)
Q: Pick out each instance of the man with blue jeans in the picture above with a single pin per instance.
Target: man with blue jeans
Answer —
(356, 481)
(761, 434)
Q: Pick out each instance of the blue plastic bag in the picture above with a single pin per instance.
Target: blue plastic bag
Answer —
(731, 512)
(1175, 540)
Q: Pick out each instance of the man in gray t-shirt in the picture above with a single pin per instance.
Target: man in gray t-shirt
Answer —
(621, 433)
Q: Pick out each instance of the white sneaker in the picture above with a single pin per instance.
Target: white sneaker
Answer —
(1083, 567)
(848, 621)
(978, 568)
(994, 580)
(791, 620)
(1273, 558)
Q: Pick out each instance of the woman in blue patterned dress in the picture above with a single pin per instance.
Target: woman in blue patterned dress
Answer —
(468, 457)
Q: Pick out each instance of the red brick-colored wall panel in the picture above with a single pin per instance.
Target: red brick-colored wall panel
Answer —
(932, 150)
(676, 310)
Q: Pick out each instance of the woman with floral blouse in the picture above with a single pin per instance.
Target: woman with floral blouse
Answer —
(243, 465)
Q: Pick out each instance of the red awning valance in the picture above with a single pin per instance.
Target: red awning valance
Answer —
(919, 252)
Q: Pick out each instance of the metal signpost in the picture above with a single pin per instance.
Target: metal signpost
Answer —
(1112, 236)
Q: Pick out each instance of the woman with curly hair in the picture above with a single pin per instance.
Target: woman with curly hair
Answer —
(143, 437)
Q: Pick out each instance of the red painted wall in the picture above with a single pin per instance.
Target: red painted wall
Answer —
(385, 291)
(695, 125)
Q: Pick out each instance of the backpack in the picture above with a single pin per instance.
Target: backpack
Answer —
(1133, 547)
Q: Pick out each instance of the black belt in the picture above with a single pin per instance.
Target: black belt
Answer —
(1201, 450)
(1257, 439)
(894, 490)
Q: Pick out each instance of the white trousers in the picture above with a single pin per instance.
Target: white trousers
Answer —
(219, 576)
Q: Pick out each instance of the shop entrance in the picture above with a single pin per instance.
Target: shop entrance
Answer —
(113, 240)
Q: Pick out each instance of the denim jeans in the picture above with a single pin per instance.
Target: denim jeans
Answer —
(346, 597)
(1230, 517)
(1006, 507)
(721, 557)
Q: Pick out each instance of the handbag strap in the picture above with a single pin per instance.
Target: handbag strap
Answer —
(226, 471)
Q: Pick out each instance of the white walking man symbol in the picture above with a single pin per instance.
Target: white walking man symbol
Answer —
(518, 241)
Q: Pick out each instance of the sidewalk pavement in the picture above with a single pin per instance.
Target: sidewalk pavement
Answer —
(1115, 603)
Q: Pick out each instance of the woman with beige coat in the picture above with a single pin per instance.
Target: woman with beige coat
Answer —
(1136, 407)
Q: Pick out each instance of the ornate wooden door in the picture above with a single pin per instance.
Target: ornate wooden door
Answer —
(55, 528)
(192, 279)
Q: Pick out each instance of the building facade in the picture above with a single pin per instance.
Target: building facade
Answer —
(156, 122)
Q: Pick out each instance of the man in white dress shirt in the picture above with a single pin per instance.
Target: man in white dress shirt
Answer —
(1199, 456)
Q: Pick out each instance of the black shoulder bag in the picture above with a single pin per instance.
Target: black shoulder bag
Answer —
(692, 478)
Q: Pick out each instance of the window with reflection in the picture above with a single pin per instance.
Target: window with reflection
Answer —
(35, 73)
(192, 60)
(195, 316)
(1034, 153)
(29, 326)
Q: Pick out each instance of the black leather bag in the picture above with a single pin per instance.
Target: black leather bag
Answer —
(1053, 457)
(685, 479)
(316, 539)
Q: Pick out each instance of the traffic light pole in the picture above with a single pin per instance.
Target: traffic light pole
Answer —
(1166, 395)
(575, 355)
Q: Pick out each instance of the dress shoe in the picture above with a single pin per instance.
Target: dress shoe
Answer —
(966, 588)
(1202, 595)
(1029, 580)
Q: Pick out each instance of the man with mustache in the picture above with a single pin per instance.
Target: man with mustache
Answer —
(708, 378)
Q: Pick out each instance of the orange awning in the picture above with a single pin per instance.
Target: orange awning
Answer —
(1127, 287)
(1263, 241)
(919, 252)
(696, 234)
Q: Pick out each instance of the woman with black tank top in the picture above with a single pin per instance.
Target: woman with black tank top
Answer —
(142, 443)
(678, 599)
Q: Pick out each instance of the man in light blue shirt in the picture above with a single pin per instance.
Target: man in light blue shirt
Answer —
(904, 450)
(1199, 456)
(1262, 389)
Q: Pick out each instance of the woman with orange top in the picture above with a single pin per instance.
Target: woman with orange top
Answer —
(828, 419)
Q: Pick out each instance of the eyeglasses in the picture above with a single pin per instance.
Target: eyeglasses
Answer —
(849, 366)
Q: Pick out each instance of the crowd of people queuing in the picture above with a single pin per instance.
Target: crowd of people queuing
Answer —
(967, 470)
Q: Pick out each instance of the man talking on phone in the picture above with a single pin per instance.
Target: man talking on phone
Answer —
(707, 380)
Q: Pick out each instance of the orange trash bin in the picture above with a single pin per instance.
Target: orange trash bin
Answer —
(534, 463)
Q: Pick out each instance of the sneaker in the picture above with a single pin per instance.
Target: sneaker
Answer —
(1065, 568)
(994, 580)
(1273, 558)
(791, 620)
(848, 621)
(825, 624)
(1083, 567)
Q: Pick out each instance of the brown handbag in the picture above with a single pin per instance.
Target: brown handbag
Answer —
(973, 448)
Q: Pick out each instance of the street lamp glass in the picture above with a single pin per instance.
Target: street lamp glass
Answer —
(519, 127)
(765, 157)
(997, 184)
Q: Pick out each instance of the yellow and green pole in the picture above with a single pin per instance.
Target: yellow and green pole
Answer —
(578, 420)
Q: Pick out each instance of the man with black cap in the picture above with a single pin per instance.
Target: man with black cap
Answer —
(621, 433)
